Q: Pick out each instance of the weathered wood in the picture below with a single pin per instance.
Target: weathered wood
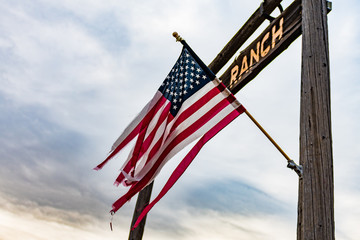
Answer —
(142, 201)
(266, 47)
(316, 188)
(251, 25)
(256, 19)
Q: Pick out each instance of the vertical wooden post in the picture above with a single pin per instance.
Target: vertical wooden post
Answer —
(316, 188)
(142, 201)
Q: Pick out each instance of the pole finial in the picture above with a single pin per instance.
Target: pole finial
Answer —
(177, 37)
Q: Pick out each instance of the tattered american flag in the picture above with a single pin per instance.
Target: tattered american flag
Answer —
(190, 104)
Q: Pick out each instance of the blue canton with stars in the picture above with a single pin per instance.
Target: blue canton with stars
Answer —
(184, 79)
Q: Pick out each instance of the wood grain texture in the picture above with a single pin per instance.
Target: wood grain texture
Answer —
(142, 201)
(291, 27)
(316, 188)
(253, 23)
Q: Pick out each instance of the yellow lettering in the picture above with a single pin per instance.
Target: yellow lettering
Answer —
(278, 33)
(255, 56)
(265, 51)
(244, 65)
(234, 72)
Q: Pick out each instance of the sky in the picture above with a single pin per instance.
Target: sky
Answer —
(74, 73)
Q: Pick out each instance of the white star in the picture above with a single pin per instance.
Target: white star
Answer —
(192, 68)
(167, 90)
(174, 107)
(191, 80)
(171, 93)
(191, 86)
(185, 86)
(181, 68)
(197, 82)
(198, 70)
(192, 74)
(204, 77)
(185, 92)
(197, 76)
(193, 62)
(174, 101)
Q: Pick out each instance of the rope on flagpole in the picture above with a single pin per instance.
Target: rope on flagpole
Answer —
(291, 163)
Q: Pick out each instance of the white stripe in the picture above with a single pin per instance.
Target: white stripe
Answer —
(155, 119)
(184, 143)
(199, 113)
(189, 102)
(159, 133)
(137, 120)
(151, 126)
(202, 130)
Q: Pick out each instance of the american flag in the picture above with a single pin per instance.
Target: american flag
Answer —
(190, 104)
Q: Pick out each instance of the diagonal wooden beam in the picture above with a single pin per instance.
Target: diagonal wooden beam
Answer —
(251, 25)
(275, 39)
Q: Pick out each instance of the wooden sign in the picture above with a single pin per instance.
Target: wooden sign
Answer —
(273, 40)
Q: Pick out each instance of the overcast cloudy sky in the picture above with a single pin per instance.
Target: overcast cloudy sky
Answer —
(74, 73)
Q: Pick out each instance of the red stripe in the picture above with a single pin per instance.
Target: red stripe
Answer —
(145, 145)
(184, 164)
(179, 138)
(155, 148)
(194, 107)
(241, 109)
(143, 123)
(121, 146)
(150, 138)
(221, 86)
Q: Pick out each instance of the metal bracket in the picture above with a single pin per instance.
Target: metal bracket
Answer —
(266, 15)
(328, 6)
(297, 168)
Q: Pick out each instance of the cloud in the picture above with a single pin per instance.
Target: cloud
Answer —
(230, 196)
(74, 73)
(41, 160)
